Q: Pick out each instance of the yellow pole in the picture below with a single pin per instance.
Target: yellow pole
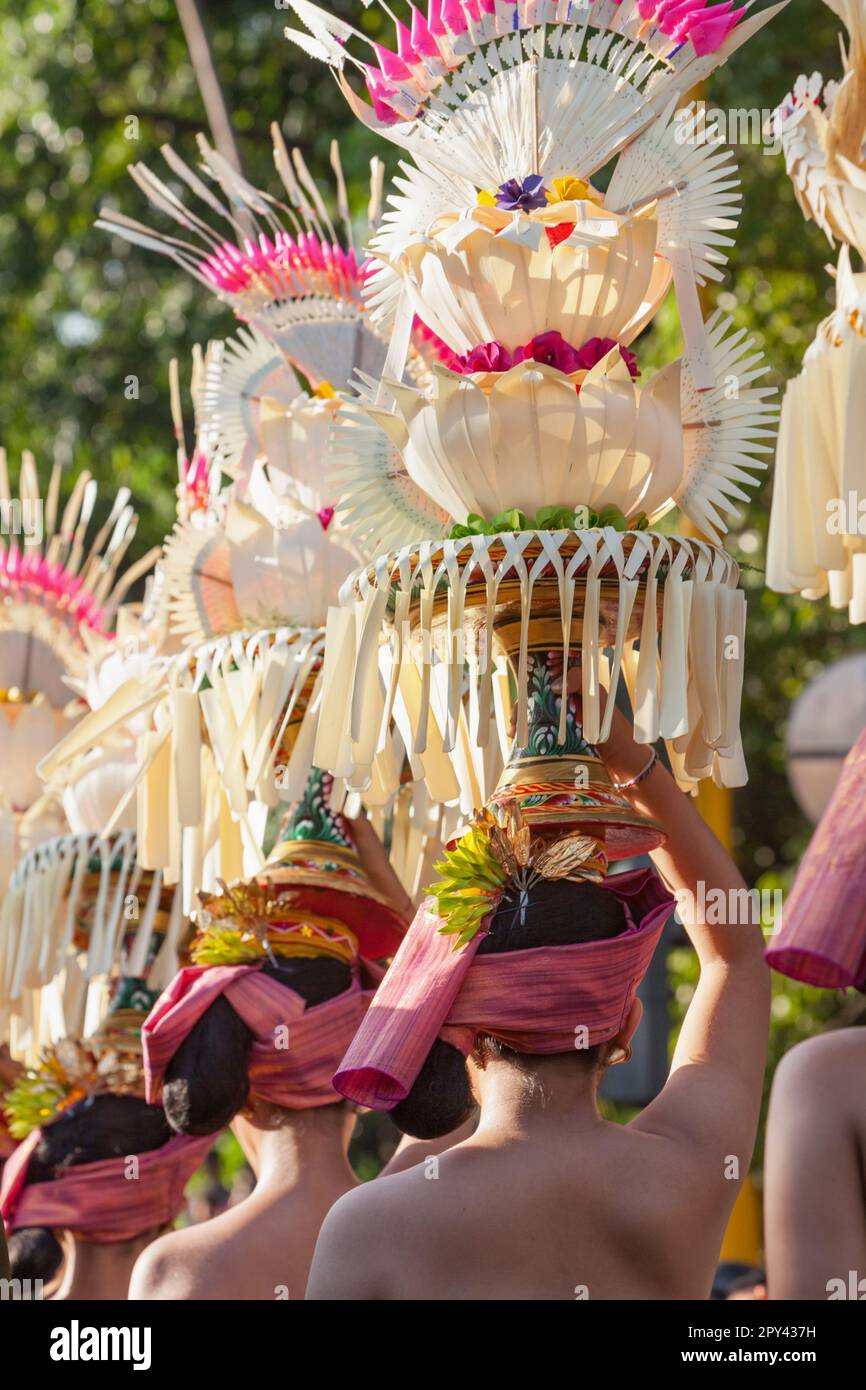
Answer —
(744, 1235)
(716, 805)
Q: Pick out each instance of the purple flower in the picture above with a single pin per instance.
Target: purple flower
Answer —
(552, 349)
(486, 357)
(516, 196)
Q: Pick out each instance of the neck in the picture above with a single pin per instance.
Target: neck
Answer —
(98, 1272)
(305, 1148)
(557, 1095)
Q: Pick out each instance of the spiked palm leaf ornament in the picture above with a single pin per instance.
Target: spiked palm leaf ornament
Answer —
(225, 717)
(534, 437)
(816, 544)
(296, 281)
(62, 582)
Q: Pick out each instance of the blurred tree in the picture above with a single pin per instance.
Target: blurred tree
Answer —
(86, 88)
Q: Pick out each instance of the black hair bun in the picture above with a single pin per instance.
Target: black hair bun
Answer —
(557, 913)
(440, 1099)
(34, 1253)
(207, 1080)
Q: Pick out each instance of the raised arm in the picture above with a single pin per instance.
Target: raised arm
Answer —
(377, 866)
(713, 1094)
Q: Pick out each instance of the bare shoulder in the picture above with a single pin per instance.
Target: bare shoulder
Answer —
(178, 1265)
(365, 1234)
(349, 1255)
(818, 1056)
(831, 1065)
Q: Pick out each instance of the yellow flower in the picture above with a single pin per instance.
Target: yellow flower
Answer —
(571, 190)
(486, 198)
(325, 391)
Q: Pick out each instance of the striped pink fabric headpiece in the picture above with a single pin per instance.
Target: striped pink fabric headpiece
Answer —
(534, 1000)
(822, 939)
(295, 1048)
(112, 1200)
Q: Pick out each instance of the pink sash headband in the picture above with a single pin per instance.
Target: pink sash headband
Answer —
(112, 1200)
(295, 1048)
(547, 999)
(822, 940)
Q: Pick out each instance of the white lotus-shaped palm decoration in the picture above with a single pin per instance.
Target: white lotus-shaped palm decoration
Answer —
(28, 729)
(494, 276)
(284, 575)
(535, 437)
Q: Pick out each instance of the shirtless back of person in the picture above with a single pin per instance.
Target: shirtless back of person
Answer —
(549, 1201)
(569, 1207)
(814, 1185)
(261, 1249)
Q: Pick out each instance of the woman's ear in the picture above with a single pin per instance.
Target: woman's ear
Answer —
(619, 1047)
(632, 1022)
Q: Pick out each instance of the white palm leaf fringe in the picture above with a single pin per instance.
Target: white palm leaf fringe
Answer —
(380, 504)
(50, 988)
(249, 369)
(679, 152)
(724, 428)
(686, 687)
(477, 123)
(214, 722)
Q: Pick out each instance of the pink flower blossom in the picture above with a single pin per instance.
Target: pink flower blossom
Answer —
(549, 348)
(597, 348)
(486, 357)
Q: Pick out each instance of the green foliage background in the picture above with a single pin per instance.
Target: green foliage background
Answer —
(81, 311)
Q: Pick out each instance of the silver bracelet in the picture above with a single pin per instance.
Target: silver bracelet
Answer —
(644, 772)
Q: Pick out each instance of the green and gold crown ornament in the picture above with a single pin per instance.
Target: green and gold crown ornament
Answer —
(107, 1062)
(313, 896)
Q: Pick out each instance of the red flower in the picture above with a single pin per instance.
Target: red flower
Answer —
(551, 349)
(558, 233)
